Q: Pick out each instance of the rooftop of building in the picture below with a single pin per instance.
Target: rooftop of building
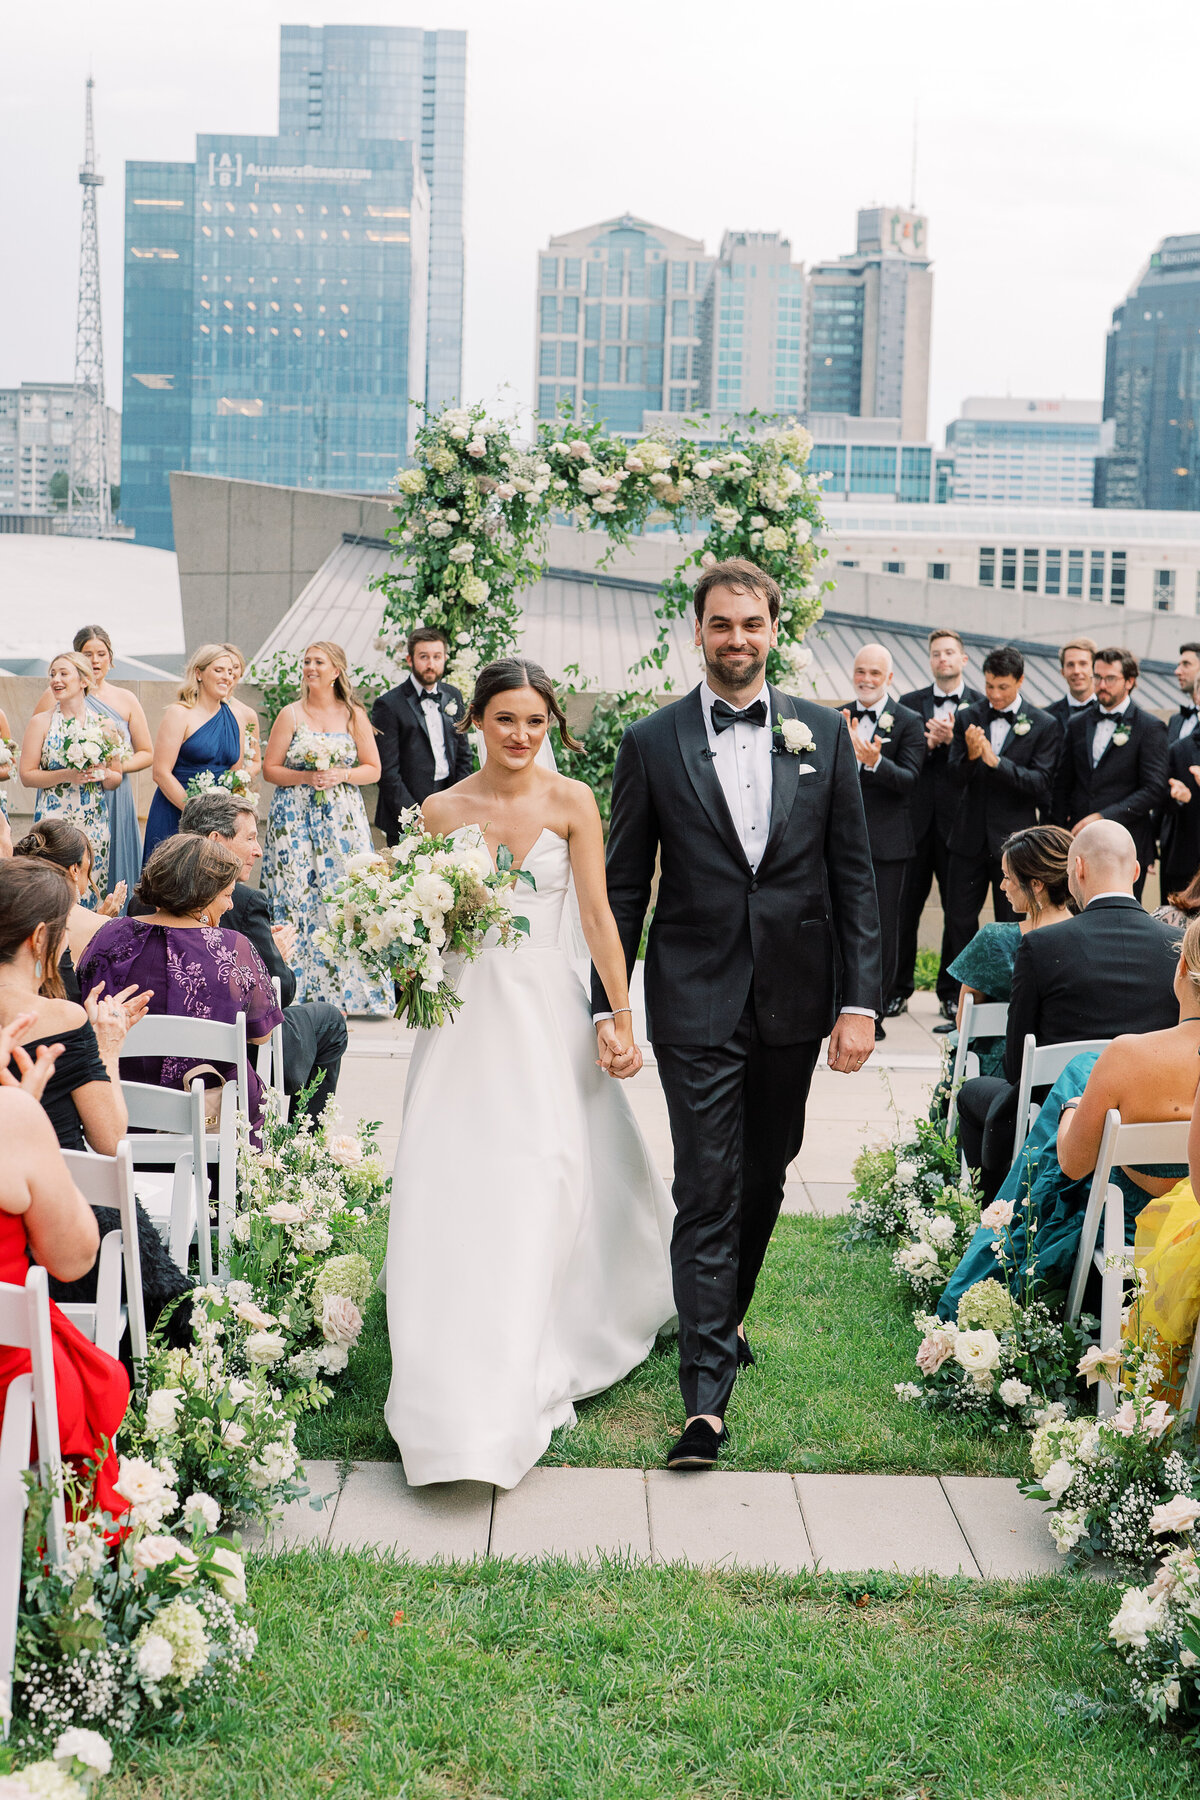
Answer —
(1028, 524)
(52, 585)
(1026, 409)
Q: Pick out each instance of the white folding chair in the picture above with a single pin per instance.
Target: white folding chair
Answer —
(1041, 1066)
(981, 1018)
(108, 1181)
(1189, 1404)
(1140, 1146)
(25, 1325)
(170, 1165)
(270, 1057)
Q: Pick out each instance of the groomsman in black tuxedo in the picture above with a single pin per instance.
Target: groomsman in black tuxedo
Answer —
(421, 750)
(1002, 762)
(1075, 660)
(1179, 831)
(1114, 763)
(1187, 672)
(889, 743)
(934, 805)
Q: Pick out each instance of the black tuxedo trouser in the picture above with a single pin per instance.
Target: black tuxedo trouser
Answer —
(967, 881)
(987, 1121)
(737, 1121)
(889, 888)
(930, 862)
(314, 1043)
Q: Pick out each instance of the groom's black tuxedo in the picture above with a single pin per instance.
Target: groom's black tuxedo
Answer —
(745, 971)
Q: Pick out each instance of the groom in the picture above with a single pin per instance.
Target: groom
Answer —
(765, 936)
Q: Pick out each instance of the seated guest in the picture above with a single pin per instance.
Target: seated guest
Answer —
(314, 1032)
(1114, 761)
(59, 842)
(1167, 1258)
(190, 964)
(1147, 1077)
(45, 1219)
(1179, 909)
(1106, 972)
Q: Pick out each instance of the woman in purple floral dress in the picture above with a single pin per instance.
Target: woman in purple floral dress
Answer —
(195, 969)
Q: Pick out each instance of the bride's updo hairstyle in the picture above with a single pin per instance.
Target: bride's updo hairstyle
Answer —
(503, 677)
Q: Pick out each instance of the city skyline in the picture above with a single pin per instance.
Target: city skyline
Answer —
(1029, 268)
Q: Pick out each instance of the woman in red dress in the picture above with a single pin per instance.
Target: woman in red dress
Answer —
(45, 1219)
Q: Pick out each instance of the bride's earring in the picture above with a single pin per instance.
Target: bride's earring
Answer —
(37, 969)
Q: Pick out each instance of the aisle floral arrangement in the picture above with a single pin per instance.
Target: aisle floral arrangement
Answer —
(1000, 1362)
(77, 1764)
(428, 899)
(918, 1174)
(1156, 1629)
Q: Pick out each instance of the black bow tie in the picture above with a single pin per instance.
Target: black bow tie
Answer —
(864, 712)
(430, 699)
(724, 715)
(994, 716)
(1188, 712)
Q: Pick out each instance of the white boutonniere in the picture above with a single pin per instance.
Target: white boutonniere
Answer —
(1021, 725)
(794, 736)
(963, 706)
(451, 709)
(1121, 734)
(886, 721)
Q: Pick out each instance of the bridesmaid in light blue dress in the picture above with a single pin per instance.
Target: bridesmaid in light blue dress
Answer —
(77, 795)
(317, 821)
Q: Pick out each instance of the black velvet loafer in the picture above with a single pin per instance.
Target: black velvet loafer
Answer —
(698, 1448)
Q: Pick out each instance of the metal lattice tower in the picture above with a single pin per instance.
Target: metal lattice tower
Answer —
(89, 507)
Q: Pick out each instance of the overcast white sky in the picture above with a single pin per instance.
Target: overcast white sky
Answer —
(1057, 145)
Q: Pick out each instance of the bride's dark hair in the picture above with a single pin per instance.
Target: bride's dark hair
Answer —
(502, 677)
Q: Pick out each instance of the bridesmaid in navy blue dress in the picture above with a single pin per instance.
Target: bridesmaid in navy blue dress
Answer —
(198, 732)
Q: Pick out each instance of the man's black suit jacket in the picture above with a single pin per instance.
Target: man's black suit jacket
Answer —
(406, 755)
(1128, 784)
(889, 789)
(993, 803)
(251, 915)
(1062, 710)
(1175, 726)
(802, 930)
(935, 801)
(1109, 971)
(1179, 826)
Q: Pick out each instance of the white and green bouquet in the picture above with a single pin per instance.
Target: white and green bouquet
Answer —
(429, 899)
(234, 781)
(77, 1764)
(317, 750)
(1105, 1481)
(137, 1617)
(9, 756)
(89, 742)
(895, 1180)
(1156, 1629)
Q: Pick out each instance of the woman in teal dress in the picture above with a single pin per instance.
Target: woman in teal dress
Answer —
(1147, 1078)
(317, 821)
(198, 734)
(77, 795)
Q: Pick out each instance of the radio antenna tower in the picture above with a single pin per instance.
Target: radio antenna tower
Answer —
(89, 500)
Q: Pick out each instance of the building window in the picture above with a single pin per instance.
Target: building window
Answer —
(1075, 574)
(1164, 590)
(679, 400)
(830, 459)
(612, 363)
(1029, 572)
(634, 363)
(591, 364)
(681, 318)
(679, 362)
(549, 271)
(842, 563)
(549, 313)
(591, 321)
(893, 568)
(595, 278)
(938, 571)
(1054, 571)
(1116, 578)
(548, 359)
(571, 267)
(1096, 576)
(916, 467)
(570, 315)
(1008, 568)
(872, 469)
(987, 566)
(567, 355)
(612, 321)
(546, 400)
(635, 329)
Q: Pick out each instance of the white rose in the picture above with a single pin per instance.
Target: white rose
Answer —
(434, 891)
(201, 1512)
(1014, 1392)
(476, 446)
(139, 1481)
(1177, 1514)
(977, 1351)
(727, 516)
(1058, 1478)
(283, 1212)
(153, 1552)
(86, 1747)
(1137, 1617)
(796, 736)
(253, 1315)
(162, 1409)
(228, 1573)
(333, 1358)
(341, 1321)
(802, 531)
(240, 1391)
(1066, 1528)
(241, 1229)
(940, 1230)
(438, 528)
(462, 553)
(154, 1658)
(265, 1347)
(906, 1171)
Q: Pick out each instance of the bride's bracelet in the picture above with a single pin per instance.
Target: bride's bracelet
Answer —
(618, 1010)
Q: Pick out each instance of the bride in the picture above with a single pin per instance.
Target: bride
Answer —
(528, 1247)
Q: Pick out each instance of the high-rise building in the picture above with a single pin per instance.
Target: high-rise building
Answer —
(618, 322)
(752, 327)
(1152, 386)
(869, 318)
(394, 81)
(35, 444)
(1024, 452)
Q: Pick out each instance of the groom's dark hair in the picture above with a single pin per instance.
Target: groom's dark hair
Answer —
(743, 577)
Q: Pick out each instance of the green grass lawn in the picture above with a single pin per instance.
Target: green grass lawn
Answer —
(832, 1335)
(505, 1682)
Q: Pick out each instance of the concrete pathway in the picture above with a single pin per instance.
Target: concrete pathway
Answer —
(958, 1525)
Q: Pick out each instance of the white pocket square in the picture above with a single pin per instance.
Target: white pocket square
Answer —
(805, 769)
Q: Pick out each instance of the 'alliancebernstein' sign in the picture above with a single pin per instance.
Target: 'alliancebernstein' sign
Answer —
(230, 171)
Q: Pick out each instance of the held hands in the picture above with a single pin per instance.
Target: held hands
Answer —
(619, 1055)
(285, 939)
(850, 1043)
(110, 906)
(33, 1075)
(979, 745)
(326, 778)
(111, 778)
(939, 731)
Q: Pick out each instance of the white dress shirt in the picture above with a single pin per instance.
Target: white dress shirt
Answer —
(1189, 723)
(1106, 726)
(431, 712)
(999, 729)
(946, 705)
(741, 756)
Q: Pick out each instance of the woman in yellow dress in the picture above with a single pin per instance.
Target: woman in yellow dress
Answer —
(1166, 1256)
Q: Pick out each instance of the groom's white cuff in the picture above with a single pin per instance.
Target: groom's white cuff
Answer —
(597, 1018)
(864, 1012)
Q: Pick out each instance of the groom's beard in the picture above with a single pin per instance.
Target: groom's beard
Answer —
(735, 675)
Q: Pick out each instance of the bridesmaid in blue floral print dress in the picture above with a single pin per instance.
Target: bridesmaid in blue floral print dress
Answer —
(317, 821)
(78, 795)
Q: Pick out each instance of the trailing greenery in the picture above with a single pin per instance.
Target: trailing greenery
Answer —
(611, 716)
(278, 680)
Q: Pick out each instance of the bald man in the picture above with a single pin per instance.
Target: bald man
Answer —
(889, 742)
(1107, 971)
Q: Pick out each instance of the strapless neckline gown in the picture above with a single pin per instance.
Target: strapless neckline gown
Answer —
(528, 1249)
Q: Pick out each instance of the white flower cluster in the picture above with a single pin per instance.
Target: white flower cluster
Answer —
(317, 750)
(1156, 1629)
(926, 1261)
(79, 1758)
(88, 743)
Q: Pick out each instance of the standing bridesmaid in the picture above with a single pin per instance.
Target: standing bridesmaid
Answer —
(317, 820)
(124, 710)
(199, 732)
(77, 795)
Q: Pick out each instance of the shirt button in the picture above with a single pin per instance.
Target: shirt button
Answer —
(754, 887)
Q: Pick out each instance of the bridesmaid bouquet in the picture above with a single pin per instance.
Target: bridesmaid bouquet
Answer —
(313, 750)
(88, 743)
(234, 781)
(406, 910)
(8, 756)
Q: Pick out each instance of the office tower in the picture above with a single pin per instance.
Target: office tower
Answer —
(1014, 451)
(386, 81)
(752, 326)
(274, 316)
(35, 444)
(1152, 386)
(869, 323)
(618, 321)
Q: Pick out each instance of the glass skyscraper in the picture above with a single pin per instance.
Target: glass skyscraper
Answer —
(752, 326)
(1016, 451)
(1152, 387)
(869, 324)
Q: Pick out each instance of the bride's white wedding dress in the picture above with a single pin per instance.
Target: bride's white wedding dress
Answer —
(527, 1261)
